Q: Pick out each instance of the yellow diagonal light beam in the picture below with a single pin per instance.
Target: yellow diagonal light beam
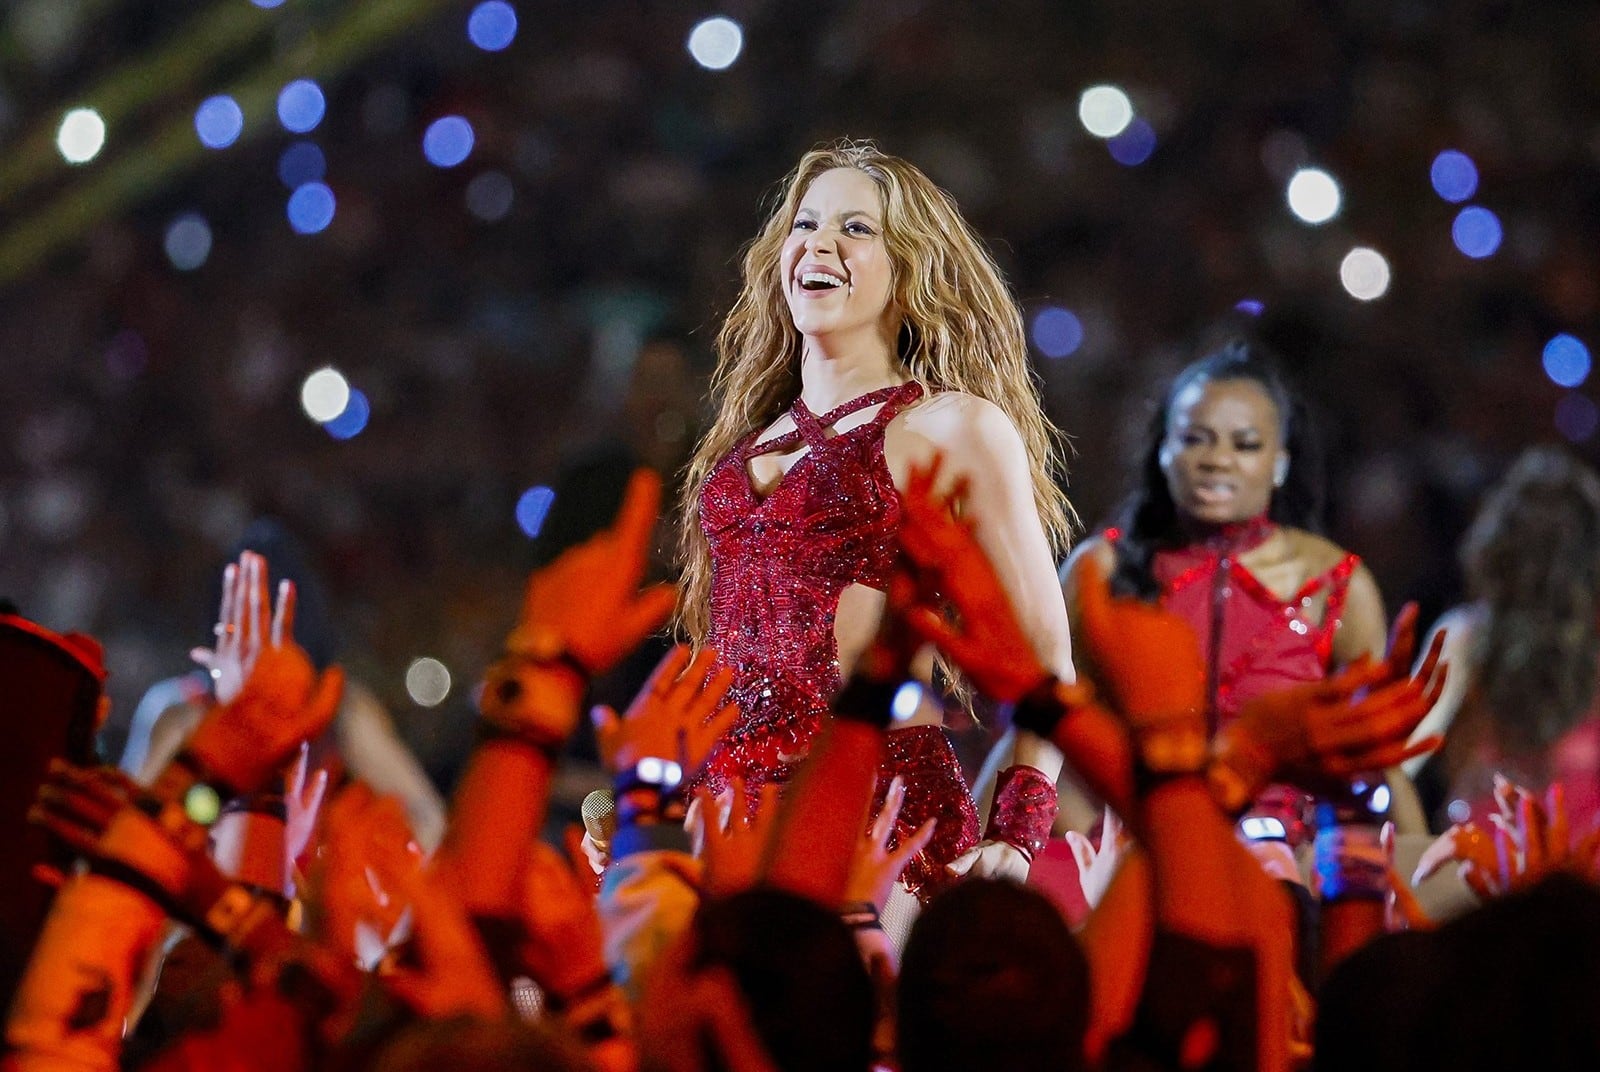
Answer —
(175, 149)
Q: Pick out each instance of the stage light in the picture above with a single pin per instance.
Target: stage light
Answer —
(81, 136)
(301, 106)
(1476, 232)
(447, 141)
(300, 163)
(427, 681)
(1250, 307)
(1314, 196)
(218, 121)
(1566, 361)
(267, 3)
(715, 43)
(1056, 331)
(311, 208)
(1577, 418)
(533, 506)
(492, 26)
(188, 241)
(1454, 176)
(352, 420)
(1105, 111)
(1364, 273)
(1134, 145)
(490, 195)
(324, 394)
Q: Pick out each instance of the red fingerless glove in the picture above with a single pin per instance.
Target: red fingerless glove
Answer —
(1024, 811)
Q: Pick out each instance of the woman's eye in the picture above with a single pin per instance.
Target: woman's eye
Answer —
(805, 225)
(1247, 446)
(858, 229)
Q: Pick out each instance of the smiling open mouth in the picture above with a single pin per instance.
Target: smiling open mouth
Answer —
(815, 281)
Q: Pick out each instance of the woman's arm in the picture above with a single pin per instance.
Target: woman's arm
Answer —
(1363, 628)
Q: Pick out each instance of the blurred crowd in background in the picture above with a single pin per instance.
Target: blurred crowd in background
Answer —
(526, 308)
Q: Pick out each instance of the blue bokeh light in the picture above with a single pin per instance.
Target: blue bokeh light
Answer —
(532, 508)
(301, 106)
(1476, 232)
(300, 163)
(1134, 145)
(1250, 307)
(267, 3)
(1577, 418)
(353, 420)
(311, 208)
(448, 141)
(1566, 361)
(492, 26)
(218, 121)
(1056, 331)
(1454, 176)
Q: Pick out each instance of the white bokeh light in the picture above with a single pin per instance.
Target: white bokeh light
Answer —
(1105, 111)
(427, 681)
(1364, 273)
(1314, 196)
(81, 136)
(715, 43)
(325, 394)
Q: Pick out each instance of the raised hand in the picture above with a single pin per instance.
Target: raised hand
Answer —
(876, 867)
(302, 800)
(678, 714)
(450, 974)
(986, 642)
(281, 701)
(365, 837)
(1148, 660)
(1097, 867)
(1528, 840)
(731, 835)
(587, 605)
(561, 946)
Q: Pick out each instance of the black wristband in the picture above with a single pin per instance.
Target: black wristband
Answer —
(867, 701)
(1040, 710)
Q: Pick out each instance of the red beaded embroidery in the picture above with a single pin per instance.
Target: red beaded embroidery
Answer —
(1024, 812)
(779, 566)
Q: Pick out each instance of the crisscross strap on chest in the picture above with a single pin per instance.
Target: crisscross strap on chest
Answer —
(812, 430)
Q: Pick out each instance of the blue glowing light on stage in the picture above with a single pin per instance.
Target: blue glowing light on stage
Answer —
(218, 121)
(352, 421)
(1454, 176)
(448, 141)
(188, 241)
(311, 208)
(1476, 232)
(301, 163)
(1577, 418)
(1134, 145)
(1250, 307)
(1056, 331)
(301, 106)
(1566, 361)
(532, 508)
(267, 3)
(492, 26)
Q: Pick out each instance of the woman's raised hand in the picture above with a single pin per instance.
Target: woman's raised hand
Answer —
(587, 605)
(678, 714)
(876, 866)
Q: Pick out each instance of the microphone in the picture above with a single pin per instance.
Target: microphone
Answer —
(599, 811)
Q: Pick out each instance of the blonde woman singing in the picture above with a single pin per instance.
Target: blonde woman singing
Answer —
(873, 331)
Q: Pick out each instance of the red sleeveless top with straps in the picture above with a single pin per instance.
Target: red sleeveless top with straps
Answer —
(1254, 642)
(779, 564)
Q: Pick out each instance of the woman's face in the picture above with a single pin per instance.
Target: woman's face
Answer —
(835, 268)
(1223, 444)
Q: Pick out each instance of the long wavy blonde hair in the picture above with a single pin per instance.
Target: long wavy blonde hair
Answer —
(961, 331)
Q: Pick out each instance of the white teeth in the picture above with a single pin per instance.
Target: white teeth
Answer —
(824, 278)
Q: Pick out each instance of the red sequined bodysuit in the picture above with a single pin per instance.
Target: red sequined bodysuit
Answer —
(779, 566)
(1254, 642)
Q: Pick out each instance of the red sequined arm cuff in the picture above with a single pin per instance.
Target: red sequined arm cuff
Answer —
(1024, 810)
